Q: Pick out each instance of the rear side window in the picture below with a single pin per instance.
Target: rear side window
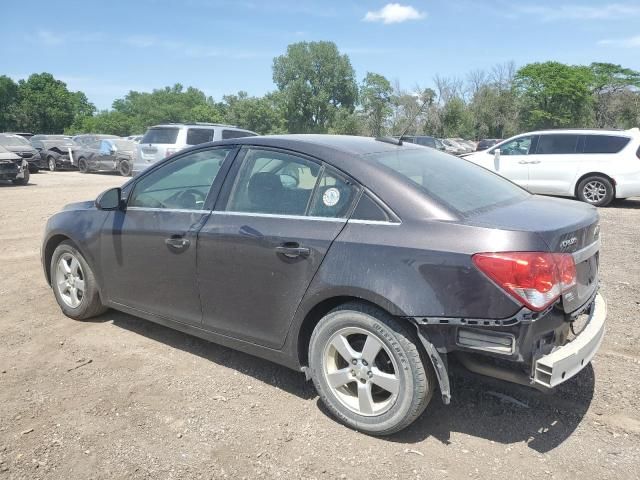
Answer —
(236, 134)
(160, 135)
(196, 136)
(557, 144)
(455, 182)
(368, 209)
(604, 143)
(333, 196)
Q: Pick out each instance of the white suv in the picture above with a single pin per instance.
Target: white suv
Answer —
(595, 166)
(160, 141)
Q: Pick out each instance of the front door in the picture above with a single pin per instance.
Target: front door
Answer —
(259, 250)
(513, 160)
(151, 246)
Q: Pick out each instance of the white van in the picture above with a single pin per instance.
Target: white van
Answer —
(161, 141)
(594, 166)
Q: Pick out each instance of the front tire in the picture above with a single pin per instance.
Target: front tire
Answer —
(51, 162)
(368, 369)
(74, 284)
(24, 180)
(82, 165)
(596, 190)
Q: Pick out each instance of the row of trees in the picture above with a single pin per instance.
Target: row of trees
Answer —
(318, 92)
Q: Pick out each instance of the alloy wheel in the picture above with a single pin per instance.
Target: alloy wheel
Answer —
(594, 191)
(361, 371)
(70, 280)
(52, 165)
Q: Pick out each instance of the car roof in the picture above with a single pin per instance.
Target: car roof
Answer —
(197, 125)
(584, 131)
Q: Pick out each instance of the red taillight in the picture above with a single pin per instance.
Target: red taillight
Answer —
(536, 279)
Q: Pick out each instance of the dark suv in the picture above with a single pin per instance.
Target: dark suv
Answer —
(367, 264)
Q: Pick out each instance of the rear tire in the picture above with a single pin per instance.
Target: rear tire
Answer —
(124, 168)
(596, 190)
(82, 165)
(369, 370)
(51, 162)
(74, 284)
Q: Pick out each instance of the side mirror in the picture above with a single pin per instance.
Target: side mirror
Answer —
(110, 200)
(496, 158)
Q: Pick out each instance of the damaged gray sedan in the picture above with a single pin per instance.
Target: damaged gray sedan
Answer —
(367, 264)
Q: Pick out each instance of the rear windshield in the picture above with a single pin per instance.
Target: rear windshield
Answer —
(196, 136)
(160, 135)
(604, 143)
(455, 182)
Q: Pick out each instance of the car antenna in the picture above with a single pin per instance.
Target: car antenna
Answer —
(398, 141)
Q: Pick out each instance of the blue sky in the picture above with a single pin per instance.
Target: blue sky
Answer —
(107, 48)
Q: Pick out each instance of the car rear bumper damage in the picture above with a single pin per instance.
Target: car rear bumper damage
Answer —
(536, 350)
(566, 361)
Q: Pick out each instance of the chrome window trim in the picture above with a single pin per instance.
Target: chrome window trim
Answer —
(274, 215)
(181, 210)
(373, 222)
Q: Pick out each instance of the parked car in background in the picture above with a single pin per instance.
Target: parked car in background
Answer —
(467, 145)
(135, 138)
(109, 154)
(594, 166)
(21, 147)
(13, 167)
(279, 246)
(55, 151)
(486, 143)
(87, 138)
(26, 135)
(424, 140)
(452, 147)
(162, 141)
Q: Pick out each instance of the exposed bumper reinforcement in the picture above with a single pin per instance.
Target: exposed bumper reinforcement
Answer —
(566, 361)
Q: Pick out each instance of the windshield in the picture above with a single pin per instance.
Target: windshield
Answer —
(160, 135)
(14, 141)
(123, 145)
(455, 182)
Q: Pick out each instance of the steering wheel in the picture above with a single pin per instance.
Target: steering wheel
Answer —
(190, 198)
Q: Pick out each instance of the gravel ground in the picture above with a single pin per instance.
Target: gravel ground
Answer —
(120, 397)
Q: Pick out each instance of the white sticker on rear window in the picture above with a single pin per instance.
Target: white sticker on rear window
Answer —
(331, 197)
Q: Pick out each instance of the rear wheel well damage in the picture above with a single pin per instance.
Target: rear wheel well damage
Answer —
(313, 317)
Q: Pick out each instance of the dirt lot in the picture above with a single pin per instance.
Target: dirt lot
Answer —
(119, 397)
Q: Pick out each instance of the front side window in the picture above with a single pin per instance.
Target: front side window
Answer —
(557, 144)
(273, 182)
(196, 136)
(518, 146)
(181, 184)
(455, 182)
(605, 143)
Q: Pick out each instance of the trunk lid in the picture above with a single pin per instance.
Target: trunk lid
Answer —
(566, 226)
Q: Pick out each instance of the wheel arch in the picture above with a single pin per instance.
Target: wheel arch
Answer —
(594, 174)
(49, 248)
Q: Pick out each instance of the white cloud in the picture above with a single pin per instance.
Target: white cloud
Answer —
(629, 42)
(49, 38)
(394, 13)
(610, 11)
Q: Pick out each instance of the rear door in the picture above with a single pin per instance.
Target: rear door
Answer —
(279, 213)
(554, 163)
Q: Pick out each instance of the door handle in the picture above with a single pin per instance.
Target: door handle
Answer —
(177, 242)
(293, 250)
(534, 162)
(523, 162)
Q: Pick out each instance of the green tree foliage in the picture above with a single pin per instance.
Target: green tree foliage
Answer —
(375, 98)
(8, 99)
(45, 105)
(346, 123)
(315, 81)
(260, 114)
(554, 95)
(609, 84)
